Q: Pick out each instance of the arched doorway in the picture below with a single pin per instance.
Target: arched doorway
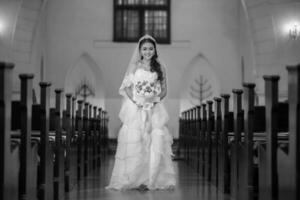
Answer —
(199, 83)
(86, 71)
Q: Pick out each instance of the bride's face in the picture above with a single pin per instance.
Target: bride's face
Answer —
(147, 51)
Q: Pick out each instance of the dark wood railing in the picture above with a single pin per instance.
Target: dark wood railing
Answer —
(45, 151)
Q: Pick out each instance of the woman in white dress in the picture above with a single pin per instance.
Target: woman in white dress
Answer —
(143, 156)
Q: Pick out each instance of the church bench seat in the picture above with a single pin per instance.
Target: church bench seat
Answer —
(252, 150)
(39, 145)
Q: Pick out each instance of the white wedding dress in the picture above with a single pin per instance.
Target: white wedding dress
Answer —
(143, 155)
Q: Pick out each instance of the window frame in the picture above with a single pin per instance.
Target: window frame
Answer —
(141, 10)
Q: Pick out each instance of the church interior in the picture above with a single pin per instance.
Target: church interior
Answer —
(233, 79)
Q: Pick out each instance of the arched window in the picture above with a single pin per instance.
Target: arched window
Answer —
(134, 18)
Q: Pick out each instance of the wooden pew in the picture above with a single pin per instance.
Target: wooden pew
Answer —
(244, 171)
(68, 151)
(292, 187)
(219, 148)
(249, 177)
(46, 151)
(195, 138)
(213, 149)
(90, 139)
(36, 163)
(203, 140)
(21, 121)
(269, 187)
(198, 137)
(209, 135)
(28, 169)
(259, 160)
(86, 133)
(235, 148)
(277, 184)
(8, 168)
(192, 138)
(186, 135)
(99, 146)
(105, 131)
(270, 151)
(80, 140)
(181, 150)
(73, 144)
(224, 163)
(95, 137)
(216, 142)
(59, 161)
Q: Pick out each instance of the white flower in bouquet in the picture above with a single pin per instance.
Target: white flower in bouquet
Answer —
(147, 93)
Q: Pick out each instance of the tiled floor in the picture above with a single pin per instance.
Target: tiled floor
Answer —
(189, 187)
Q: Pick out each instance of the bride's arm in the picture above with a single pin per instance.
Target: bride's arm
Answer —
(129, 93)
(128, 82)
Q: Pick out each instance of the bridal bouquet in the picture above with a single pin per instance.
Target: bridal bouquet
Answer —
(147, 89)
(146, 93)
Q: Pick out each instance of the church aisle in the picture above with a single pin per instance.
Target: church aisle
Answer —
(189, 187)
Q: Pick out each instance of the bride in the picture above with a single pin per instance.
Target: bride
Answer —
(143, 156)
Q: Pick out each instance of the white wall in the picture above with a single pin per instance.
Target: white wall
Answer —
(22, 40)
(9, 10)
(221, 31)
(265, 42)
(208, 27)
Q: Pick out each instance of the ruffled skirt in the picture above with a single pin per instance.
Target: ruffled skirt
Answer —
(143, 155)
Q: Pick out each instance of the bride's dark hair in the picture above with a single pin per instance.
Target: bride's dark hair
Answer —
(155, 66)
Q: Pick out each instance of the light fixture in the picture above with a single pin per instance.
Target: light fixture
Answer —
(294, 32)
(2, 26)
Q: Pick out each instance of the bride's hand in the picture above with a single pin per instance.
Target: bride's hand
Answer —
(137, 104)
(149, 99)
(152, 99)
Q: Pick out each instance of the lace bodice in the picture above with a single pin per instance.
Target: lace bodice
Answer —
(144, 75)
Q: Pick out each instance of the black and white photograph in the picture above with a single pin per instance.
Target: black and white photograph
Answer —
(149, 99)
